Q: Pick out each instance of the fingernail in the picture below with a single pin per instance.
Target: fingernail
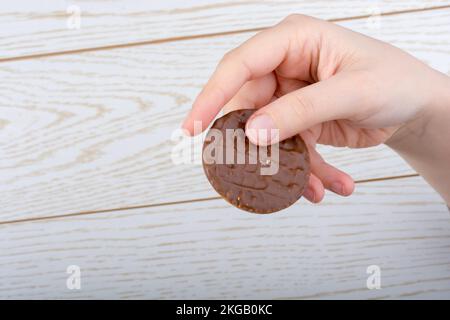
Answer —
(337, 187)
(184, 124)
(310, 195)
(261, 129)
(186, 133)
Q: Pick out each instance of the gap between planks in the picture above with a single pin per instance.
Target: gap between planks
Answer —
(200, 36)
(163, 204)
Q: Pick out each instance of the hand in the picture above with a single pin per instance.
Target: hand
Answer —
(329, 84)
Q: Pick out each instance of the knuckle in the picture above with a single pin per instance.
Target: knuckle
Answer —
(220, 93)
(295, 22)
(228, 56)
(296, 18)
(302, 107)
(234, 58)
(293, 17)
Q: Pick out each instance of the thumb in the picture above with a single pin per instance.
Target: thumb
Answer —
(338, 97)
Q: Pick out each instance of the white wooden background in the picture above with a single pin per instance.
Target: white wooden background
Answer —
(86, 176)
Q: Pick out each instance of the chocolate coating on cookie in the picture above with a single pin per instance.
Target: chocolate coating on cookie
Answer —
(242, 184)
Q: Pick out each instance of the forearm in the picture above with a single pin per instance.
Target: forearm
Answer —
(425, 142)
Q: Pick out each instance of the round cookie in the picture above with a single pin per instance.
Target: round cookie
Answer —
(242, 183)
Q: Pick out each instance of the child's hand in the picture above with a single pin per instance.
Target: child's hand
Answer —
(332, 85)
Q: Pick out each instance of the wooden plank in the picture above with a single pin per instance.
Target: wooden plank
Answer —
(212, 250)
(33, 27)
(91, 131)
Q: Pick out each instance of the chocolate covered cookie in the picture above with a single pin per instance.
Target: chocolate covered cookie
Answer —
(255, 179)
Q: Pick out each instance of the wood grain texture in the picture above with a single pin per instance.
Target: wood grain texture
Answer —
(212, 250)
(33, 27)
(91, 131)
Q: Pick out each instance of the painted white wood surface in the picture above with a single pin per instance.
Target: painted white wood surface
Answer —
(90, 131)
(212, 250)
(31, 27)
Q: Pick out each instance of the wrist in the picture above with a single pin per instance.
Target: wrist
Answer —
(424, 141)
(429, 122)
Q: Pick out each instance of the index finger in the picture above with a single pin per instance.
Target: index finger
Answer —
(255, 58)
